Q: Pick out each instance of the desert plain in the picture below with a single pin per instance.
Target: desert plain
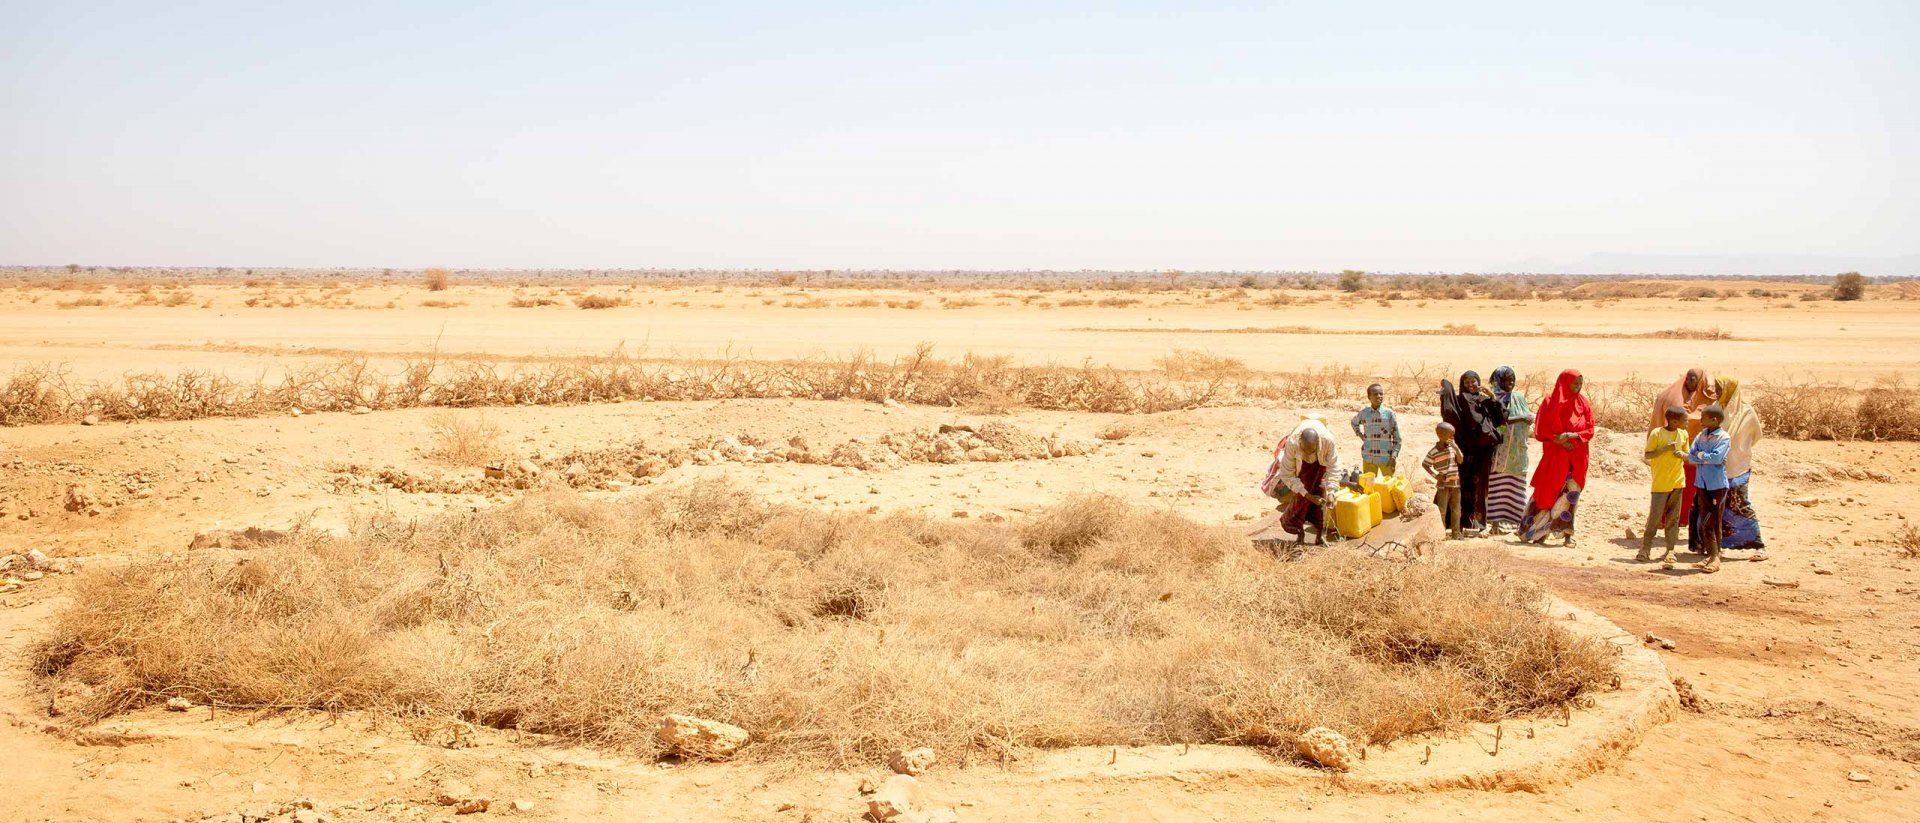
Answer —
(1799, 672)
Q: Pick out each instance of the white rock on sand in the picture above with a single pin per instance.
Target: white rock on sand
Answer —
(1326, 747)
(898, 797)
(912, 761)
(701, 739)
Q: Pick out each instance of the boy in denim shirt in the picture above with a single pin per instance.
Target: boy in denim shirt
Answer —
(1709, 457)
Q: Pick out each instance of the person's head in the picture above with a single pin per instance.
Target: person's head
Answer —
(1727, 388)
(1444, 431)
(1310, 445)
(1579, 382)
(1692, 383)
(1470, 383)
(1676, 416)
(1504, 379)
(1376, 394)
(1712, 416)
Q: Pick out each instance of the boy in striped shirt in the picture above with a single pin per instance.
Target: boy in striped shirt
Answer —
(1443, 464)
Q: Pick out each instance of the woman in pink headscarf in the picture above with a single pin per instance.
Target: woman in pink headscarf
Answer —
(1693, 392)
(1565, 424)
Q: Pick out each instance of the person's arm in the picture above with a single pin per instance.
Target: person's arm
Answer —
(1497, 411)
(1393, 434)
(1654, 451)
(1355, 423)
(1712, 454)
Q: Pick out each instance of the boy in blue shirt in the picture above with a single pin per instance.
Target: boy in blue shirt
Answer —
(1709, 457)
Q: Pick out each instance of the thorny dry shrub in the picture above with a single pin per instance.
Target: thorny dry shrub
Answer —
(1799, 409)
(464, 439)
(1906, 541)
(436, 279)
(829, 637)
(599, 301)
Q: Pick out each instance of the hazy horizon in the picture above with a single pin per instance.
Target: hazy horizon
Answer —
(738, 135)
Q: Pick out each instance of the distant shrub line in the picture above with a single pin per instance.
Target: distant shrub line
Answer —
(45, 393)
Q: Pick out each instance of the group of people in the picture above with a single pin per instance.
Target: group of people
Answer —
(1699, 451)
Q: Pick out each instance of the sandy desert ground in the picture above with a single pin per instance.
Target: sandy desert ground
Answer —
(1807, 663)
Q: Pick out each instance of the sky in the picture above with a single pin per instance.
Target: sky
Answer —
(1386, 136)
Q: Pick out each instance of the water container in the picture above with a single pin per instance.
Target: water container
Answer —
(1352, 515)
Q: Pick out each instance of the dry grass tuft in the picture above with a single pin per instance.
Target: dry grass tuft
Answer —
(599, 301)
(464, 438)
(831, 638)
(436, 279)
(1906, 541)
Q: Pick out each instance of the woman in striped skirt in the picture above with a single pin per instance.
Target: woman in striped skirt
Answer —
(1507, 490)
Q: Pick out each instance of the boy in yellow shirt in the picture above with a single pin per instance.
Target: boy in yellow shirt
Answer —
(1666, 454)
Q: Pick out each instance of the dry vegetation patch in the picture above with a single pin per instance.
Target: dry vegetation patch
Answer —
(830, 638)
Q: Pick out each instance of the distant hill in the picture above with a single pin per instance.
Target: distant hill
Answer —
(1719, 265)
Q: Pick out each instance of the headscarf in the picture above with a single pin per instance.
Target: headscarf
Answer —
(1476, 428)
(1450, 407)
(1742, 425)
(1704, 393)
(1505, 397)
(1563, 411)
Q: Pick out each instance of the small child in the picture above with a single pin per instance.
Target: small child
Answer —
(1379, 433)
(1443, 464)
(1709, 456)
(1667, 455)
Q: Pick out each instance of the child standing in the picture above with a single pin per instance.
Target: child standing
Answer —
(1666, 454)
(1709, 457)
(1379, 433)
(1443, 464)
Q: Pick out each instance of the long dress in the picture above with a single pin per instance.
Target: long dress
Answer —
(1507, 488)
(1562, 473)
(1477, 420)
(1744, 427)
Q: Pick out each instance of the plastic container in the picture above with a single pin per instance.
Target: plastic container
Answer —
(1352, 514)
(1392, 491)
(1374, 513)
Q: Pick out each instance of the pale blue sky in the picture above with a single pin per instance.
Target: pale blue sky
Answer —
(1406, 136)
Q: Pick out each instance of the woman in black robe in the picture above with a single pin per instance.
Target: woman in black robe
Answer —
(1476, 417)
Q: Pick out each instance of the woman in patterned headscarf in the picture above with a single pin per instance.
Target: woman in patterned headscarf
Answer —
(1743, 427)
(1565, 425)
(1507, 488)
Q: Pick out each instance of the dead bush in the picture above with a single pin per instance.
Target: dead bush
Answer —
(599, 301)
(1906, 541)
(436, 279)
(832, 638)
(464, 438)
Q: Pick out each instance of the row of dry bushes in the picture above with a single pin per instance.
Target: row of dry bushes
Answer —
(829, 637)
(1182, 380)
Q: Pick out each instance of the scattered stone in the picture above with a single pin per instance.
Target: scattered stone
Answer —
(1808, 501)
(362, 410)
(701, 739)
(912, 761)
(1326, 747)
(460, 796)
(236, 538)
(82, 500)
(1689, 699)
(37, 559)
(90, 420)
(867, 786)
(308, 816)
(1822, 570)
(523, 806)
(32, 576)
(1860, 777)
(1631, 535)
(496, 472)
(529, 468)
(900, 795)
(178, 704)
(1779, 583)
